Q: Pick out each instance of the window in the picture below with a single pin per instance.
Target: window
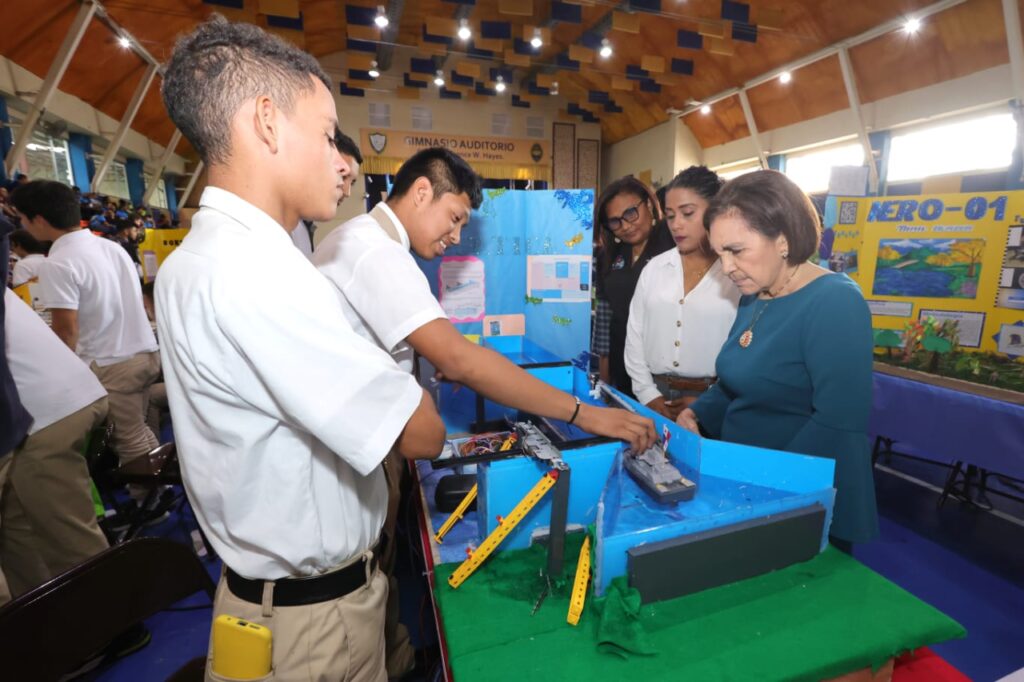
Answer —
(158, 199)
(501, 124)
(422, 119)
(984, 143)
(115, 181)
(47, 158)
(535, 126)
(734, 170)
(380, 114)
(811, 170)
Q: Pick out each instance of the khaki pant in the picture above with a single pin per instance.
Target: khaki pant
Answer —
(5, 466)
(127, 385)
(326, 642)
(400, 657)
(157, 404)
(48, 519)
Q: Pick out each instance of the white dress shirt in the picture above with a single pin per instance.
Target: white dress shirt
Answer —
(282, 414)
(52, 382)
(384, 293)
(300, 237)
(26, 268)
(97, 277)
(668, 336)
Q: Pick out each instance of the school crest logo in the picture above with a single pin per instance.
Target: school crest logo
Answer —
(378, 141)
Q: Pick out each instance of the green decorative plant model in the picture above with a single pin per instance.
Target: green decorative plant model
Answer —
(932, 346)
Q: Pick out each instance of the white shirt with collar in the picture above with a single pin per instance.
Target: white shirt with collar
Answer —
(667, 336)
(53, 383)
(300, 237)
(96, 277)
(384, 293)
(282, 414)
(26, 268)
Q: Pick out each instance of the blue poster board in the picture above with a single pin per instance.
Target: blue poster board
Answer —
(534, 249)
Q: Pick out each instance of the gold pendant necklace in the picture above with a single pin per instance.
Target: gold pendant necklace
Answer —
(747, 337)
(700, 276)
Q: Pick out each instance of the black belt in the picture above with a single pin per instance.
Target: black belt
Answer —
(311, 590)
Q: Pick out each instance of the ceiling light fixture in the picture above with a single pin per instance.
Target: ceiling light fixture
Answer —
(382, 18)
(606, 48)
(706, 109)
(500, 84)
(464, 32)
(785, 77)
(374, 73)
(124, 42)
(554, 88)
(439, 79)
(912, 26)
(537, 42)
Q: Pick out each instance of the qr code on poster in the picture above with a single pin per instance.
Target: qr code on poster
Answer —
(847, 212)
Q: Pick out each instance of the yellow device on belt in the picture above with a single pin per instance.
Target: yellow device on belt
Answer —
(241, 649)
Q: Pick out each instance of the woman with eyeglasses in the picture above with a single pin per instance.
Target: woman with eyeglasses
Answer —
(795, 371)
(633, 233)
(684, 304)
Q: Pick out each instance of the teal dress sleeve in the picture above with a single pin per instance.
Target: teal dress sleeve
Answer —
(837, 347)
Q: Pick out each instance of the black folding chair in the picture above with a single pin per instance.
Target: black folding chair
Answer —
(51, 630)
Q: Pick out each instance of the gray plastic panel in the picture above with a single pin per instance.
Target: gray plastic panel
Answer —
(691, 563)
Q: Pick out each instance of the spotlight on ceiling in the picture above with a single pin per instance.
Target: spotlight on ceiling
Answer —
(439, 78)
(912, 26)
(706, 109)
(374, 73)
(554, 88)
(464, 32)
(785, 77)
(124, 42)
(537, 42)
(382, 18)
(606, 48)
(500, 84)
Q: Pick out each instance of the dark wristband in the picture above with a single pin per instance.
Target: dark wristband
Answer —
(575, 412)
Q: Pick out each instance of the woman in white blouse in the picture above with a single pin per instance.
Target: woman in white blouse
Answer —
(683, 306)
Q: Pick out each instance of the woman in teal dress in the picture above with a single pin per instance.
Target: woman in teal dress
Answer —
(795, 371)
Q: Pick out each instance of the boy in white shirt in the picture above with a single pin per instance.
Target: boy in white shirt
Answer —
(48, 519)
(282, 413)
(92, 290)
(387, 298)
(31, 254)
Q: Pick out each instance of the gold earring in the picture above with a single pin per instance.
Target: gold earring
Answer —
(785, 255)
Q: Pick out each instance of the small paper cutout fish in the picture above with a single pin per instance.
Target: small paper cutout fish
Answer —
(534, 299)
(563, 321)
(575, 240)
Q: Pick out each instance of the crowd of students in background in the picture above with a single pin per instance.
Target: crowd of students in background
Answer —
(115, 219)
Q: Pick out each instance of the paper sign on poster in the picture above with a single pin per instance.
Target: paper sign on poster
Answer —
(969, 325)
(461, 290)
(562, 279)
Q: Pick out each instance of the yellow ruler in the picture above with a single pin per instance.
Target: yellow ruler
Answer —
(579, 585)
(457, 514)
(505, 526)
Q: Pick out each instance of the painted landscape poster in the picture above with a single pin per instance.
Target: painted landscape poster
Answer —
(929, 268)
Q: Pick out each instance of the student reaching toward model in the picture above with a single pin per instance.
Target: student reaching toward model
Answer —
(387, 298)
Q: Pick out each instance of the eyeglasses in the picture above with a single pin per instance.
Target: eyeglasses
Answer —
(630, 215)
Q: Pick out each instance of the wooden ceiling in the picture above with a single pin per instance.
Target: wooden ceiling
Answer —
(954, 43)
